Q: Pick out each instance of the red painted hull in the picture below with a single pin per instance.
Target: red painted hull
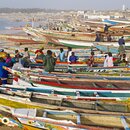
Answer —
(86, 85)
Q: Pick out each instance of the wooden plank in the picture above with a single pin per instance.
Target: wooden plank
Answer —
(78, 119)
(124, 123)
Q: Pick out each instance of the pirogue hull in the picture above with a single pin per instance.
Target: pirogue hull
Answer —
(87, 117)
(81, 119)
(78, 36)
(76, 82)
(66, 94)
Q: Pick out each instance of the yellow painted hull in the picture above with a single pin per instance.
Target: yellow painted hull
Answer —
(49, 127)
(27, 127)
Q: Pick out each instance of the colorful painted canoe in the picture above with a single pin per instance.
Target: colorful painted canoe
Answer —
(101, 106)
(79, 36)
(19, 39)
(42, 118)
(39, 119)
(44, 121)
(72, 94)
(71, 39)
(75, 82)
(81, 82)
(81, 67)
(81, 44)
(73, 68)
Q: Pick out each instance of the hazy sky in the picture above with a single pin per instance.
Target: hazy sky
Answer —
(66, 4)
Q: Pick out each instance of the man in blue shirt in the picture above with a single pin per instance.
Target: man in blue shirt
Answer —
(121, 41)
(3, 73)
(73, 58)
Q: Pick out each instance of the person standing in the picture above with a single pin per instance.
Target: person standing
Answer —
(17, 54)
(106, 28)
(8, 60)
(109, 38)
(105, 61)
(26, 53)
(17, 65)
(61, 55)
(49, 62)
(121, 43)
(91, 60)
(108, 60)
(3, 73)
(69, 52)
(26, 58)
(123, 60)
(98, 37)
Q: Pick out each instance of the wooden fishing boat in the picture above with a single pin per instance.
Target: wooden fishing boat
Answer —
(106, 117)
(40, 33)
(75, 82)
(72, 94)
(124, 29)
(81, 44)
(9, 120)
(19, 39)
(98, 106)
(108, 47)
(87, 117)
(79, 36)
(37, 68)
(93, 116)
(39, 119)
(82, 61)
(82, 66)
(71, 39)
(115, 26)
(42, 118)
(115, 82)
(23, 41)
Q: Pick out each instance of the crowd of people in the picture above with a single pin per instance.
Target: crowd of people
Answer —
(49, 59)
(21, 60)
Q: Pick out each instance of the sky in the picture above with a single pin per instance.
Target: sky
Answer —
(66, 4)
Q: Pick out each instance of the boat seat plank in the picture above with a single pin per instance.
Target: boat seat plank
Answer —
(78, 119)
(45, 114)
(124, 123)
